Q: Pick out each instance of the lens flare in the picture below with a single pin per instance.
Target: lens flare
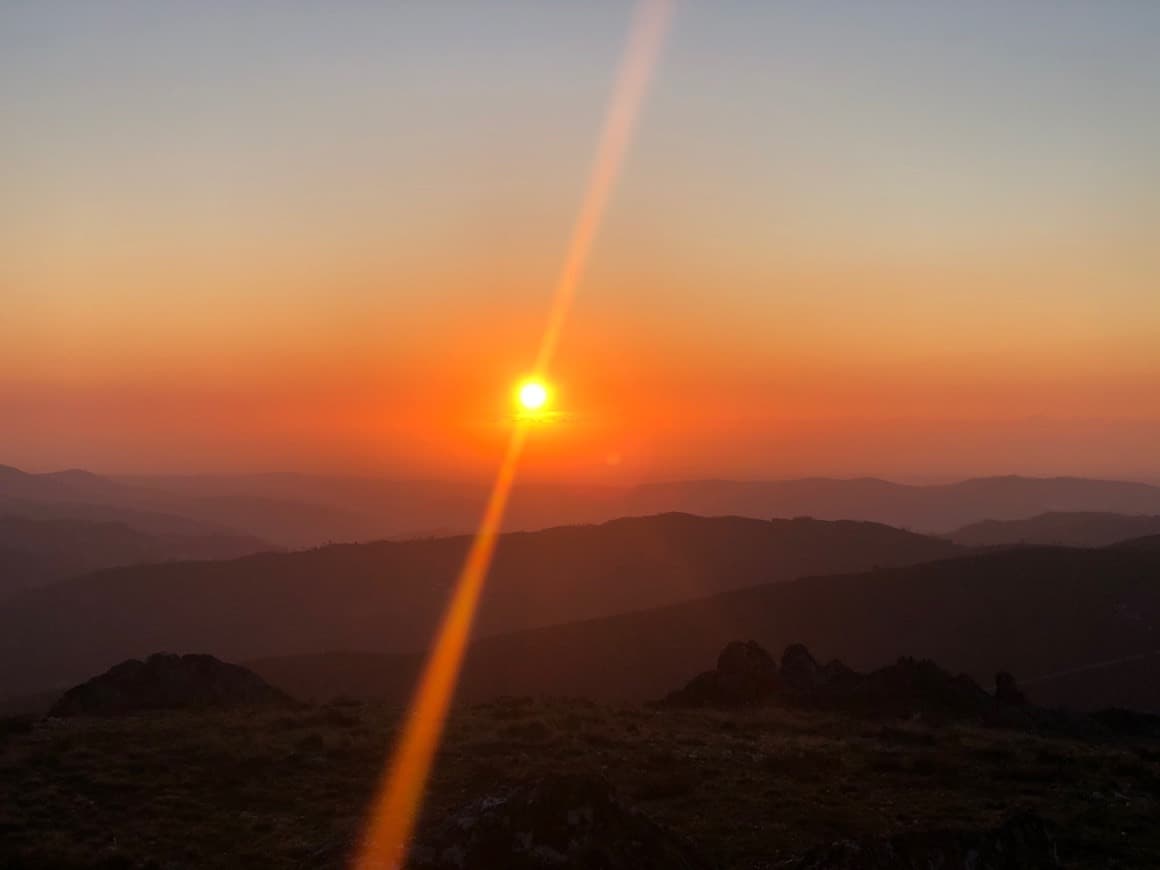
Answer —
(393, 815)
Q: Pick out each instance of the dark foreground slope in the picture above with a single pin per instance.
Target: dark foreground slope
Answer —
(284, 790)
(1038, 613)
(388, 596)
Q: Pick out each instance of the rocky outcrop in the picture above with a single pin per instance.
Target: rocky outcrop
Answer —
(800, 671)
(167, 682)
(746, 675)
(560, 822)
(1007, 691)
(1024, 842)
(911, 687)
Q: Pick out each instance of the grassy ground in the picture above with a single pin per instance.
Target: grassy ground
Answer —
(287, 789)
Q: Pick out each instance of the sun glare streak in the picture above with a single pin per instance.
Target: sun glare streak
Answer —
(640, 58)
(393, 816)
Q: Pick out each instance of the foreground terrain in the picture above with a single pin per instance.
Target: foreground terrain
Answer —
(287, 788)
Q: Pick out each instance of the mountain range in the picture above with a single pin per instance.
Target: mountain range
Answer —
(1078, 628)
(301, 510)
(1071, 529)
(387, 596)
(35, 552)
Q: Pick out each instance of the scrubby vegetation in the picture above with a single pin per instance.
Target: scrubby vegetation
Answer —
(288, 788)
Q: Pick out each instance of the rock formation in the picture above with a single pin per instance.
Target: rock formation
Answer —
(167, 682)
(746, 675)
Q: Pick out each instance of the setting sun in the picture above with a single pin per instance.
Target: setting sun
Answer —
(533, 395)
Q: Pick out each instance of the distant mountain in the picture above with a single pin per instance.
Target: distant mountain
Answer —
(397, 508)
(79, 494)
(1148, 543)
(300, 510)
(1070, 529)
(388, 596)
(1076, 627)
(35, 552)
(934, 508)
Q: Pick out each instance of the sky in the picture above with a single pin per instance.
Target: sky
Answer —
(909, 239)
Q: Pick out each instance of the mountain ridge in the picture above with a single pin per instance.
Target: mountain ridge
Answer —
(390, 595)
(1033, 611)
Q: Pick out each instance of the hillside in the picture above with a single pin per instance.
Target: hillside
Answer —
(1067, 529)
(387, 596)
(36, 552)
(1034, 612)
(289, 789)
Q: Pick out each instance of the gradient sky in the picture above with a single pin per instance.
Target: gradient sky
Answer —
(897, 238)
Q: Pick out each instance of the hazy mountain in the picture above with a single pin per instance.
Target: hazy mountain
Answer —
(387, 596)
(1047, 615)
(933, 508)
(78, 494)
(298, 510)
(1072, 529)
(407, 507)
(34, 552)
(1148, 543)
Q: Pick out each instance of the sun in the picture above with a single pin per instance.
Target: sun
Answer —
(532, 395)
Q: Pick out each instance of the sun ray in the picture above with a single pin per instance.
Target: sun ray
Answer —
(394, 813)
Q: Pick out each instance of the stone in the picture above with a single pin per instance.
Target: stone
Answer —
(562, 822)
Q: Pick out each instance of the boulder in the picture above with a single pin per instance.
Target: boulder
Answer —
(800, 671)
(916, 686)
(747, 658)
(746, 675)
(1007, 691)
(561, 822)
(168, 682)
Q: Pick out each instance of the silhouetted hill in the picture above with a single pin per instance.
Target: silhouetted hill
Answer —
(79, 494)
(1148, 543)
(929, 508)
(1068, 529)
(1034, 612)
(35, 552)
(165, 681)
(387, 596)
(297, 510)
(393, 508)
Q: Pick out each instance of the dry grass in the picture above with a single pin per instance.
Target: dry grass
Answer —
(286, 789)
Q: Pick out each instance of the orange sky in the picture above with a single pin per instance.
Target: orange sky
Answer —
(285, 242)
